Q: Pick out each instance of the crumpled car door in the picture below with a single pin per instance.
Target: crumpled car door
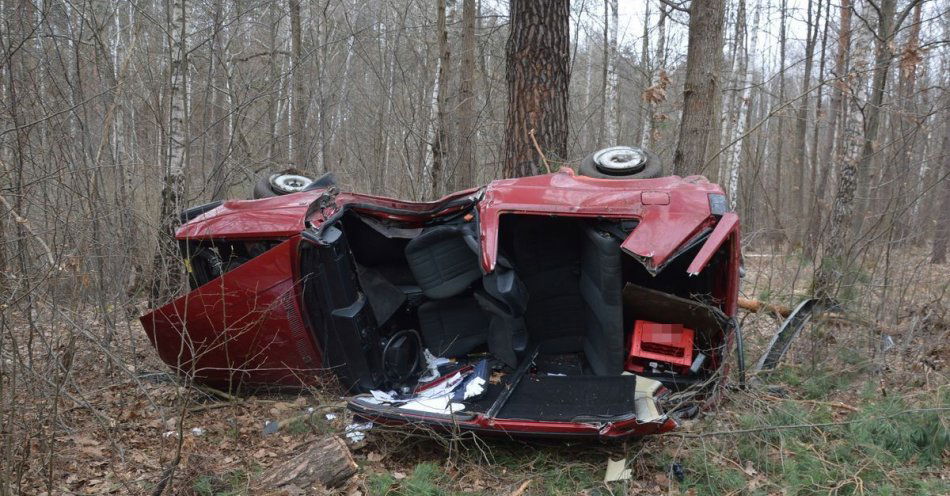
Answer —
(242, 327)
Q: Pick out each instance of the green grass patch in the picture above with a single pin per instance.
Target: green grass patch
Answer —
(234, 483)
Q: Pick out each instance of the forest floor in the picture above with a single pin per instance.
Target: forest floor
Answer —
(838, 417)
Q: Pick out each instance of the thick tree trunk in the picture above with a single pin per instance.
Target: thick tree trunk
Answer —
(538, 74)
(167, 274)
(701, 89)
(466, 123)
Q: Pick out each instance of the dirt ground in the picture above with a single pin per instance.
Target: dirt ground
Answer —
(858, 407)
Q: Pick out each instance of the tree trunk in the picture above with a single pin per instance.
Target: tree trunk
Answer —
(465, 175)
(887, 26)
(833, 266)
(744, 79)
(779, 181)
(907, 126)
(440, 141)
(166, 270)
(538, 73)
(701, 89)
(298, 105)
(801, 121)
(610, 115)
(938, 254)
(659, 59)
(646, 71)
(834, 108)
(218, 77)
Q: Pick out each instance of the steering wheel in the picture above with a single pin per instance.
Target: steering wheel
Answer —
(402, 356)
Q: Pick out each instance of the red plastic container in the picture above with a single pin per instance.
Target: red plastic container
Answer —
(667, 343)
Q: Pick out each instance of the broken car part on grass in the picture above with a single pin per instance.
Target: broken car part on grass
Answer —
(553, 305)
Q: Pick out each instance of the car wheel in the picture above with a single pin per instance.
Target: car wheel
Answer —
(621, 162)
(282, 183)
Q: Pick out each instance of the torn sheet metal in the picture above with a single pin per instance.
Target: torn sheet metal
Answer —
(726, 226)
(801, 315)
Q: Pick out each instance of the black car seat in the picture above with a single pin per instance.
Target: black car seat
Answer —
(453, 327)
(601, 290)
(444, 263)
(505, 298)
(444, 260)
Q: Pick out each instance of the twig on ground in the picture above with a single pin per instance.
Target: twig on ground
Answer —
(832, 404)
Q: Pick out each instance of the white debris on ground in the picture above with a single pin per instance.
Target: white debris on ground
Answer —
(356, 431)
(617, 470)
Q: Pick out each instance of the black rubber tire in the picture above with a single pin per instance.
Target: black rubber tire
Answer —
(262, 189)
(650, 170)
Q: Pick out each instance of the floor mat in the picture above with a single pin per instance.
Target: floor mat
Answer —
(557, 398)
(561, 364)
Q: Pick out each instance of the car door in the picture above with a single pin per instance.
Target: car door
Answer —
(242, 327)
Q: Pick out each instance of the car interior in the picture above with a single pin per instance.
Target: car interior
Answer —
(566, 328)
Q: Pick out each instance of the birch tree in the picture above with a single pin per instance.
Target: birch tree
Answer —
(166, 271)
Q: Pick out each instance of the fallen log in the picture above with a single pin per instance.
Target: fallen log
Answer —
(756, 306)
(324, 463)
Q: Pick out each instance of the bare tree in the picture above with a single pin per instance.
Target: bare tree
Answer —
(800, 156)
(166, 272)
(538, 74)
(833, 265)
(827, 144)
(466, 111)
(938, 254)
(610, 116)
(298, 104)
(701, 92)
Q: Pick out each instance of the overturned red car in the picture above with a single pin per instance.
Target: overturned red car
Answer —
(552, 305)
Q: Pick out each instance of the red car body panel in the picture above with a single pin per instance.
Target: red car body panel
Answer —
(526, 428)
(249, 324)
(243, 326)
(662, 229)
(283, 216)
(276, 217)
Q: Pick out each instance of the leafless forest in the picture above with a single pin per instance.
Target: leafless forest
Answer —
(826, 121)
